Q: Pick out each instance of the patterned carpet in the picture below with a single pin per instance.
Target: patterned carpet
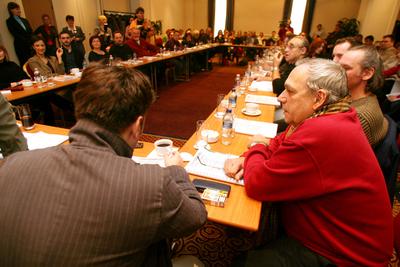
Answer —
(151, 138)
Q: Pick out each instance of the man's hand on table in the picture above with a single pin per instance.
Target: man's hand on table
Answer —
(234, 168)
(173, 158)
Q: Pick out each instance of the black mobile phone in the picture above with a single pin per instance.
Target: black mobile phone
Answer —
(201, 185)
(139, 145)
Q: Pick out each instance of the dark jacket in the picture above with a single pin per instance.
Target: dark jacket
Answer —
(22, 38)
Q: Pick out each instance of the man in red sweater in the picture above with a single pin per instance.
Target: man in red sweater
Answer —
(140, 46)
(334, 204)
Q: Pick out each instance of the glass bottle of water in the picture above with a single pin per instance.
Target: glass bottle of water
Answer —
(227, 128)
(36, 75)
(233, 98)
(110, 61)
(237, 80)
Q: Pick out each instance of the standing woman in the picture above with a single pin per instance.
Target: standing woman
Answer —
(97, 54)
(21, 30)
(76, 33)
(45, 64)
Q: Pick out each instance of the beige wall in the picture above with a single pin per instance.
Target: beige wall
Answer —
(35, 9)
(178, 14)
(328, 12)
(378, 17)
(6, 38)
(117, 5)
(196, 14)
(258, 15)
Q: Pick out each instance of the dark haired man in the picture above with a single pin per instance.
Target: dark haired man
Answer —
(72, 56)
(88, 203)
(388, 52)
(119, 50)
(341, 46)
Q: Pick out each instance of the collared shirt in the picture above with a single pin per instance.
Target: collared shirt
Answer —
(18, 19)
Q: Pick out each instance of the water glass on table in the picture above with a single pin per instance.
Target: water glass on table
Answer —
(221, 106)
(200, 142)
(25, 115)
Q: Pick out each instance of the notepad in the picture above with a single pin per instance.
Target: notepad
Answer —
(263, 99)
(250, 127)
(211, 165)
(43, 140)
(262, 86)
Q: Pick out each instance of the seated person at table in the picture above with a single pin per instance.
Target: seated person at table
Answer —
(49, 34)
(11, 138)
(295, 50)
(341, 46)
(140, 46)
(97, 54)
(88, 203)
(333, 199)
(364, 75)
(119, 50)
(10, 72)
(46, 65)
(72, 55)
(104, 32)
(173, 43)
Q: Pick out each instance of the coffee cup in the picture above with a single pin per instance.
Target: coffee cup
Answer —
(163, 146)
(251, 107)
(74, 71)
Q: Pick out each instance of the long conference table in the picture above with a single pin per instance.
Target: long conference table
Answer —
(239, 211)
(151, 62)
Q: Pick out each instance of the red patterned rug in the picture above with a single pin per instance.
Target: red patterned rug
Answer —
(151, 138)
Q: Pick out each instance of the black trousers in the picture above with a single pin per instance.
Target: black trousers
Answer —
(285, 252)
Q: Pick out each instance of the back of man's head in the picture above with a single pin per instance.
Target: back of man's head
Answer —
(371, 60)
(113, 97)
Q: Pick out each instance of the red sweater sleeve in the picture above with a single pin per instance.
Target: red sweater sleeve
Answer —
(391, 71)
(284, 173)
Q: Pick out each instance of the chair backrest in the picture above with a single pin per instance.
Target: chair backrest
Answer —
(28, 70)
(387, 154)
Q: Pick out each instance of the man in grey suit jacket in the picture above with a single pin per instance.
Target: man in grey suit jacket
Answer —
(88, 203)
(11, 138)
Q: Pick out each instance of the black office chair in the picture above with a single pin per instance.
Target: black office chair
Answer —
(387, 153)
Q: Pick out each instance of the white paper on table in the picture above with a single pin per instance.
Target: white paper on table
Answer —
(146, 160)
(211, 165)
(263, 86)
(42, 140)
(63, 78)
(250, 127)
(263, 99)
(5, 92)
(152, 158)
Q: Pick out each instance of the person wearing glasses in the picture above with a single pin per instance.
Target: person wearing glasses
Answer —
(296, 49)
(332, 195)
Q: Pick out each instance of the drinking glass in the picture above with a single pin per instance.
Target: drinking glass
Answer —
(25, 115)
(221, 109)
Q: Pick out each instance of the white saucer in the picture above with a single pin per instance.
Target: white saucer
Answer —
(257, 113)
